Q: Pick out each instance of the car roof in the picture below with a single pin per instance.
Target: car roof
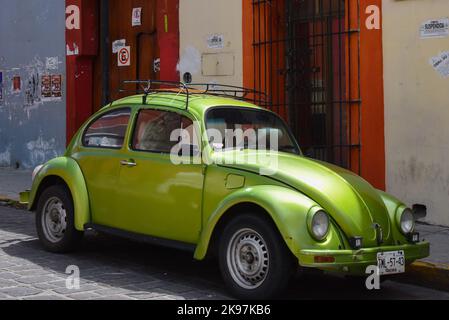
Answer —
(197, 103)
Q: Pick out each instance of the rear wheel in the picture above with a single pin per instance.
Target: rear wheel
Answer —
(55, 220)
(254, 260)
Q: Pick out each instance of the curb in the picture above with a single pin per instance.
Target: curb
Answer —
(427, 274)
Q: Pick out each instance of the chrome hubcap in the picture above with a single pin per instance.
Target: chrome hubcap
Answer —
(248, 259)
(54, 220)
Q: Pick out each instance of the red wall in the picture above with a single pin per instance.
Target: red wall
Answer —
(168, 35)
(80, 67)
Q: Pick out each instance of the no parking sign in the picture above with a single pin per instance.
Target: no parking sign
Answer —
(124, 57)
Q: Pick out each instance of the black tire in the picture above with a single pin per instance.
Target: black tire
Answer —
(70, 238)
(281, 263)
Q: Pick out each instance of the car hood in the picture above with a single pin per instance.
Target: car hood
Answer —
(352, 202)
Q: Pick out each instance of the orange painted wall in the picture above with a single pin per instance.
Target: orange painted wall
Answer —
(365, 62)
(372, 95)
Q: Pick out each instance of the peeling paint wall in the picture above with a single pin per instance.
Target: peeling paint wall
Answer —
(32, 112)
(416, 107)
(211, 48)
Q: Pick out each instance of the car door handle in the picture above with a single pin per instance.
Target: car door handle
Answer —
(129, 163)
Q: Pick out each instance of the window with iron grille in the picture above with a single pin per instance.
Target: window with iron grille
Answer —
(306, 58)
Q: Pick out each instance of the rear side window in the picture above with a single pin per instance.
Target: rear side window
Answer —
(154, 128)
(108, 131)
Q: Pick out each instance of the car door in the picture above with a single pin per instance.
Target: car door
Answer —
(99, 158)
(157, 195)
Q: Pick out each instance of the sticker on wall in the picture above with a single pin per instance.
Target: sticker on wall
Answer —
(72, 50)
(435, 28)
(137, 17)
(157, 65)
(124, 57)
(52, 63)
(117, 45)
(441, 64)
(46, 88)
(1, 86)
(31, 90)
(51, 88)
(16, 84)
(56, 87)
(215, 41)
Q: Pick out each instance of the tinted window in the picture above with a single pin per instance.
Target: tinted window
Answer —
(154, 128)
(108, 131)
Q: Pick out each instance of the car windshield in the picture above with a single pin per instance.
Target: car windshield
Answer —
(238, 129)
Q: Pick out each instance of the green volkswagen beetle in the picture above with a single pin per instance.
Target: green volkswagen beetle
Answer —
(200, 171)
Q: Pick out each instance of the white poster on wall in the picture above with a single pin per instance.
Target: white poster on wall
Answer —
(215, 41)
(438, 28)
(137, 17)
(441, 64)
(117, 45)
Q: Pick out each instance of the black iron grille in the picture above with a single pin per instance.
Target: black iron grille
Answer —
(306, 58)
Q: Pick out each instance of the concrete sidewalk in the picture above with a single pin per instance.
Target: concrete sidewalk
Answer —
(432, 271)
(12, 182)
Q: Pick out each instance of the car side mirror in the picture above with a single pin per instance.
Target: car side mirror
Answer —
(419, 211)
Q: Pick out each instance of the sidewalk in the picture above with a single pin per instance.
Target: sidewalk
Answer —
(12, 182)
(432, 271)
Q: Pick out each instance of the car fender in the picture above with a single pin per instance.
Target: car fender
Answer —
(69, 171)
(288, 209)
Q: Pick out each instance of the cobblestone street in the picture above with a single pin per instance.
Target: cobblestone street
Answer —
(117, 269)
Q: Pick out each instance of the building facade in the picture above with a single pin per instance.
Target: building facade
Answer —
(416, 73)
(32, 76)
(361, 82)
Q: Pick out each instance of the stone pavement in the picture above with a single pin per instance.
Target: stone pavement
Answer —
(110, 268)
(434, 269)
(117, 269)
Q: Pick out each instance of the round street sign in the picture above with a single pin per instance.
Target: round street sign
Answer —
(124, 57)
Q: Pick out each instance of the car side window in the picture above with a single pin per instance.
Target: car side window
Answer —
(154, 128)
(108, 131)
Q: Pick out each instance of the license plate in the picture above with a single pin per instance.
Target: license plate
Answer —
(391, 262)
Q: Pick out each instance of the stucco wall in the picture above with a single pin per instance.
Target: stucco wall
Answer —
(31, 130)
(416, 107)
(201, 19)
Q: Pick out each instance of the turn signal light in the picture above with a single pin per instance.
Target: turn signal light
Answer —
(413, 237)
(324, 259)
(356, 243)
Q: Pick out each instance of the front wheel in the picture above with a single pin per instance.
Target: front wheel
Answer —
(55, 220)
(254, 259)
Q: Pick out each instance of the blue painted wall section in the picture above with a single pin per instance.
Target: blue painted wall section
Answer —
(32, 101)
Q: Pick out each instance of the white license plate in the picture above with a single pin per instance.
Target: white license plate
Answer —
(391, 262)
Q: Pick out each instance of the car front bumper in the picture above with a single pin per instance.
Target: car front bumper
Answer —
(356, 261)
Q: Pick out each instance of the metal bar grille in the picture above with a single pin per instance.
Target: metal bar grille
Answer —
(306, 58)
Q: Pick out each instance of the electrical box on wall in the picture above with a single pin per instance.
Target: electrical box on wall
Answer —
(218, 64)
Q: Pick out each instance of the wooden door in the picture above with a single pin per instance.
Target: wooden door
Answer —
(142, 40)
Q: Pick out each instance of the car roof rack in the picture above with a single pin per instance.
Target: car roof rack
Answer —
(148, 87)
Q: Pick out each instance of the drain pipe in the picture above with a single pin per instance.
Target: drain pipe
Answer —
(105, 46)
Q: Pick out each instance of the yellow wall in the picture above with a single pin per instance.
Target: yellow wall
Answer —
(416, 107)
(199, 19)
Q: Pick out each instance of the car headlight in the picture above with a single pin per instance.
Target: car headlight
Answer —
(319, 225)
(407, 222)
